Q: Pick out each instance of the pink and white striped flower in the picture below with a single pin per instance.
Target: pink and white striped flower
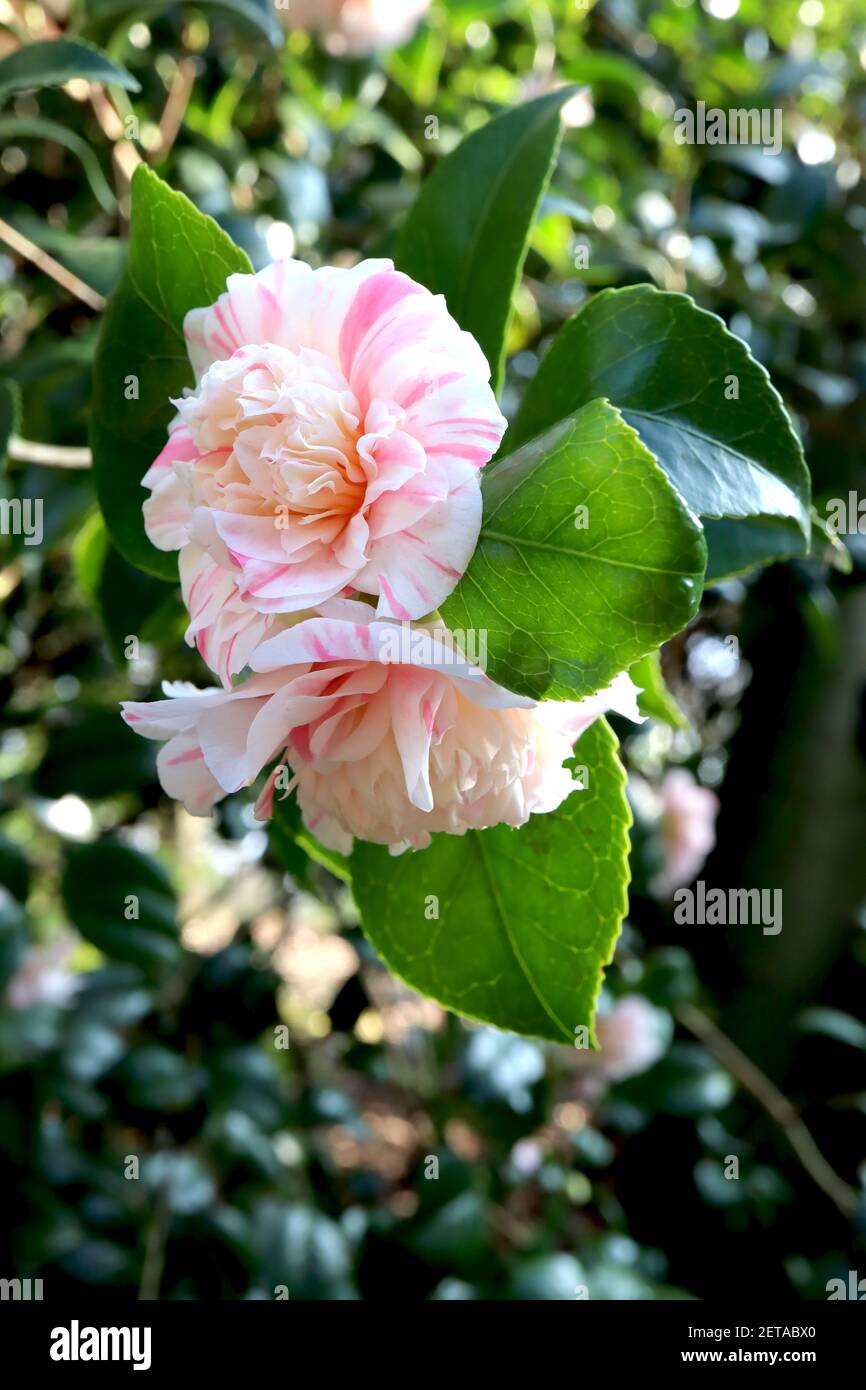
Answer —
(332, 444)
(383, 739)
(357, 27)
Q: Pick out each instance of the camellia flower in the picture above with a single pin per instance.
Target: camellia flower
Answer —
(382, 737)
(331, 445)
(688, 825)
(357, 27)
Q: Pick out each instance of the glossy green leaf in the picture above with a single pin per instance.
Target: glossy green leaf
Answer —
(699, 401)
(526, 920)
(179, 260)
(587, 559)
(51, 62)
(737, 545)
(467, 233)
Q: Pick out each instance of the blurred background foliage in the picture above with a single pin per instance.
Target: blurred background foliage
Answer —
(227, 1096)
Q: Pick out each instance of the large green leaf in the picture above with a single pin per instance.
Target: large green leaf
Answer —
(527, 919)
(179, 259)
(566, 606)
(737, 545)
(52, 62)
(699, 401)
(467, 233)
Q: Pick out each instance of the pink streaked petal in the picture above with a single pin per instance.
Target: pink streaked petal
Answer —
(389, 604)
(333, 291)
(316, 640)
(375, 299)
(424, 388)
(180, 448)
(409, 691)
(471, 453)
(417, 573)
(248, 537)
(223, 732)
(417, 341)
(184, 775)
(292, 588)
(167, 513)
(189, 755)
(399, 511)
(252, 310)
(433, 417)
(392, 464)
(276, 720)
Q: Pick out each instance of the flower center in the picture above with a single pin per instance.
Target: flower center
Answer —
(286, 426)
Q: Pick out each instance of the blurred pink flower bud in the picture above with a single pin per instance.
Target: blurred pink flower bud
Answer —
(632, 1037)
(356, 27)
(688, 827)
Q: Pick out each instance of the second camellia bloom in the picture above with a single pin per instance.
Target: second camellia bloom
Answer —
(331, 444)
(382, 738)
